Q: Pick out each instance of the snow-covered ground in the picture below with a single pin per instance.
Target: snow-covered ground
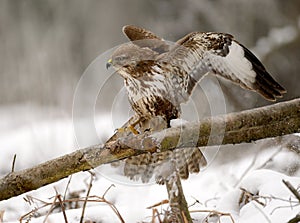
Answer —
(256, 171)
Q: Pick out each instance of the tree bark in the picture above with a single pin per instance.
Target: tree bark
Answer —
(269, 121)
(179, 208)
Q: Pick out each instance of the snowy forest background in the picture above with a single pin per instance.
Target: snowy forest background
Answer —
(47, 45)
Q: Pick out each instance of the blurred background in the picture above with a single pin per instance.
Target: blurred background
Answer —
(46, 46)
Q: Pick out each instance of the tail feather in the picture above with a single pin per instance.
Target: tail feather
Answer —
(162, 165)
(196, 161)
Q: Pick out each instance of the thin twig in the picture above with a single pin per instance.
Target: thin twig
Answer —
(287, 206)
(67, 187)
(292, 189)
(165, 201)
(248, 195)
(269, 198)
(195, 202)
(262, 212)
(13, 163)
(209, 200)
(113, 207)
(215, 213)
(246, 171)
(1, 215)
(30, 200)
(155, 213)
(53, 205)
(90, 199)
(280, 199)
(259, 167)
(108, 190)
(269, 159)
(61, 203)
(87, 195)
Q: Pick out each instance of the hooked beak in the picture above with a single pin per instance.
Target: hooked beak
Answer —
(109, 63)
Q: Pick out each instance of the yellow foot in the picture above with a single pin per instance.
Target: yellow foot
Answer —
(126, 129)
(120, 130)
(133, 130)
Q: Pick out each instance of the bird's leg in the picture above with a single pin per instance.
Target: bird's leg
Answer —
(131, 125)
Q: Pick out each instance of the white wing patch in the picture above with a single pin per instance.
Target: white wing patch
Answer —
(239, 64)
(234, 65)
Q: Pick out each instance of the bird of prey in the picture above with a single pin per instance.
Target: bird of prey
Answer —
(159, 77)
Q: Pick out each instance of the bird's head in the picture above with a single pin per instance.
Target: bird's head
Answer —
(128, 56)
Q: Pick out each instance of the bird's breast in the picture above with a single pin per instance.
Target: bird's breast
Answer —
(152, 97)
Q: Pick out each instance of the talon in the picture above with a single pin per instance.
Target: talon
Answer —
(120, 130)
(148, 130)
(133, 130)
(130, 128)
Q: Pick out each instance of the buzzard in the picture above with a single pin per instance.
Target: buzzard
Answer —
(160, 76)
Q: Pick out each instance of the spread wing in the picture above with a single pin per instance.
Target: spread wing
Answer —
(137, 33)
(199, 53)
(145, 38)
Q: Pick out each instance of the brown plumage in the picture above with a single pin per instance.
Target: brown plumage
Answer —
(160, 76)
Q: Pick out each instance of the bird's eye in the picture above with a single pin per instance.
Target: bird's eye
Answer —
(120, 58)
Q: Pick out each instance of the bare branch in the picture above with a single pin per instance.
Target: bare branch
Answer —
(247, 126)
(292, 189)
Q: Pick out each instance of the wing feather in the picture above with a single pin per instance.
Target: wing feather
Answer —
(145, 38)
(137, 33)
(199, 53)
(219, 53)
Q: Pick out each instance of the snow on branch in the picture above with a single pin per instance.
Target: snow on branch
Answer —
(247, 126)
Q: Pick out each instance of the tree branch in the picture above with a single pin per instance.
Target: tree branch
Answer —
(270, 121)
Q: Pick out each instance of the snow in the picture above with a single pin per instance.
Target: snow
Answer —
(33, 141)
(217, 187)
